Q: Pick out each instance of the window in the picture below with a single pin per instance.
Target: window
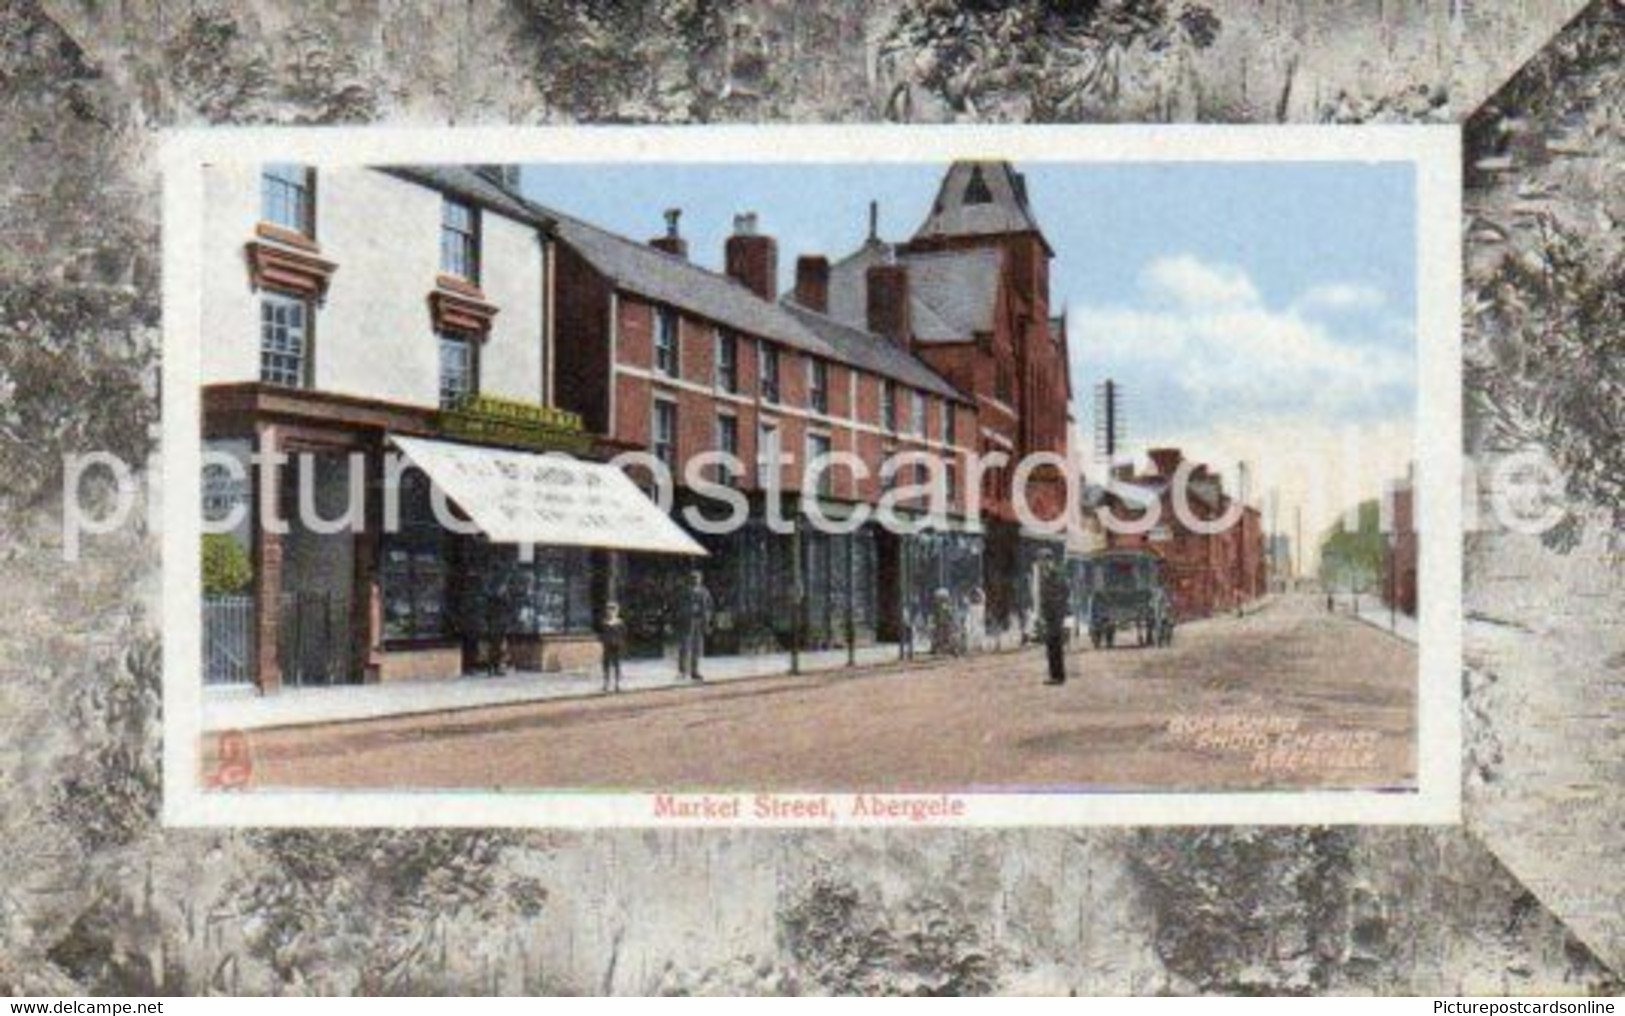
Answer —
(770, 372)
(459, 369)
(727, 361)
(948, 429)
(888, 405)
(817, 451)
(284, 340)
(287, 197)
(666, 341)
(976, 190)
(767, 455)
(950, 481)
(727, 442)
(665, 433)
(916, 416)
(818, 384)
(413, 574)
(459, 240)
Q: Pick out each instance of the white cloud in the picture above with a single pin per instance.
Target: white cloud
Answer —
(1188, 282)
(1205, 344)
(1341, 296)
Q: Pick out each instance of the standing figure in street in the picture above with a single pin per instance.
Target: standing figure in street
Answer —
(976, 621)
(905, 634)
(1053, 597)
(943, 641)
(612, 636)
(694, 610)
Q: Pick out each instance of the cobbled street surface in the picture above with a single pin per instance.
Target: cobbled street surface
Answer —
(1287, 697)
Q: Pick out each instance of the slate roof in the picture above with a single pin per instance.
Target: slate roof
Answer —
(952, 294)
(463, 182)
(956, 212)
(874, 353)
(666, 278)
(959, 288)
(669, 279)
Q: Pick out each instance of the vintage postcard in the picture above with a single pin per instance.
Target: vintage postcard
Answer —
(812, 477)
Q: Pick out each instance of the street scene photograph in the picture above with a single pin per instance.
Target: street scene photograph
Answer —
(693, 480)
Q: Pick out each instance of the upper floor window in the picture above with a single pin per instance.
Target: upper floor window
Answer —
(818, 385)
(284, 340)
(770, 372)
(459, 369)
(888, 405)
(767, 453)
(1002, 382)
(666, 361)
(665, 433)
(817, 455)
(948, 428)
(728, 443)
(287, 197)
(459, 240)
(916, 416)
(727, 361)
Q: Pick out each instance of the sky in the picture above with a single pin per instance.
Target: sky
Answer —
(1262, 312)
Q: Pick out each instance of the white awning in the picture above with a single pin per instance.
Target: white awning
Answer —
(547, 499)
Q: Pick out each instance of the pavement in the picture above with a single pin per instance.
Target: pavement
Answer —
(1287, 696)
(1374, 612)
(241, 707)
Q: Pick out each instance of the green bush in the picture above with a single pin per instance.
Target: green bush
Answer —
(226, 568)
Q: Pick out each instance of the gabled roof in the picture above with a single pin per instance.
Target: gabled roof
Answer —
(464, 183)
(874, 353)
(952, 294)
(980, 198)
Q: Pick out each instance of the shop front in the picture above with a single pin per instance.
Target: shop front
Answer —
(404, 545)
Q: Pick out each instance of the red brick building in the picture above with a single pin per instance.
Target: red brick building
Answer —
(1399, 578)
(663, 355)
(1208, 572)
(968, 294)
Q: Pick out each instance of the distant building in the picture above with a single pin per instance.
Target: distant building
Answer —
(1207, 572)
(1399, 563)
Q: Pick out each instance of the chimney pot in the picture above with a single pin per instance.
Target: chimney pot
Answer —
(751, 258)
(672, 242)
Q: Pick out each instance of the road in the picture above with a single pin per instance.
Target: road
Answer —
(1286, 697)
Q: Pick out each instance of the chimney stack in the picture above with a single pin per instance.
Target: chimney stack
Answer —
(812, 282)
(751, 258)
(889, 303)
(874, 221)
(672, 242)
(1166, 461)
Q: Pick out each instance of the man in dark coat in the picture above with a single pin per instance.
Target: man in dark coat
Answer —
(694, 610)
(1053, 606)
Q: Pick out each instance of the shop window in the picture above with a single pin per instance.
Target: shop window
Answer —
(413, 574)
